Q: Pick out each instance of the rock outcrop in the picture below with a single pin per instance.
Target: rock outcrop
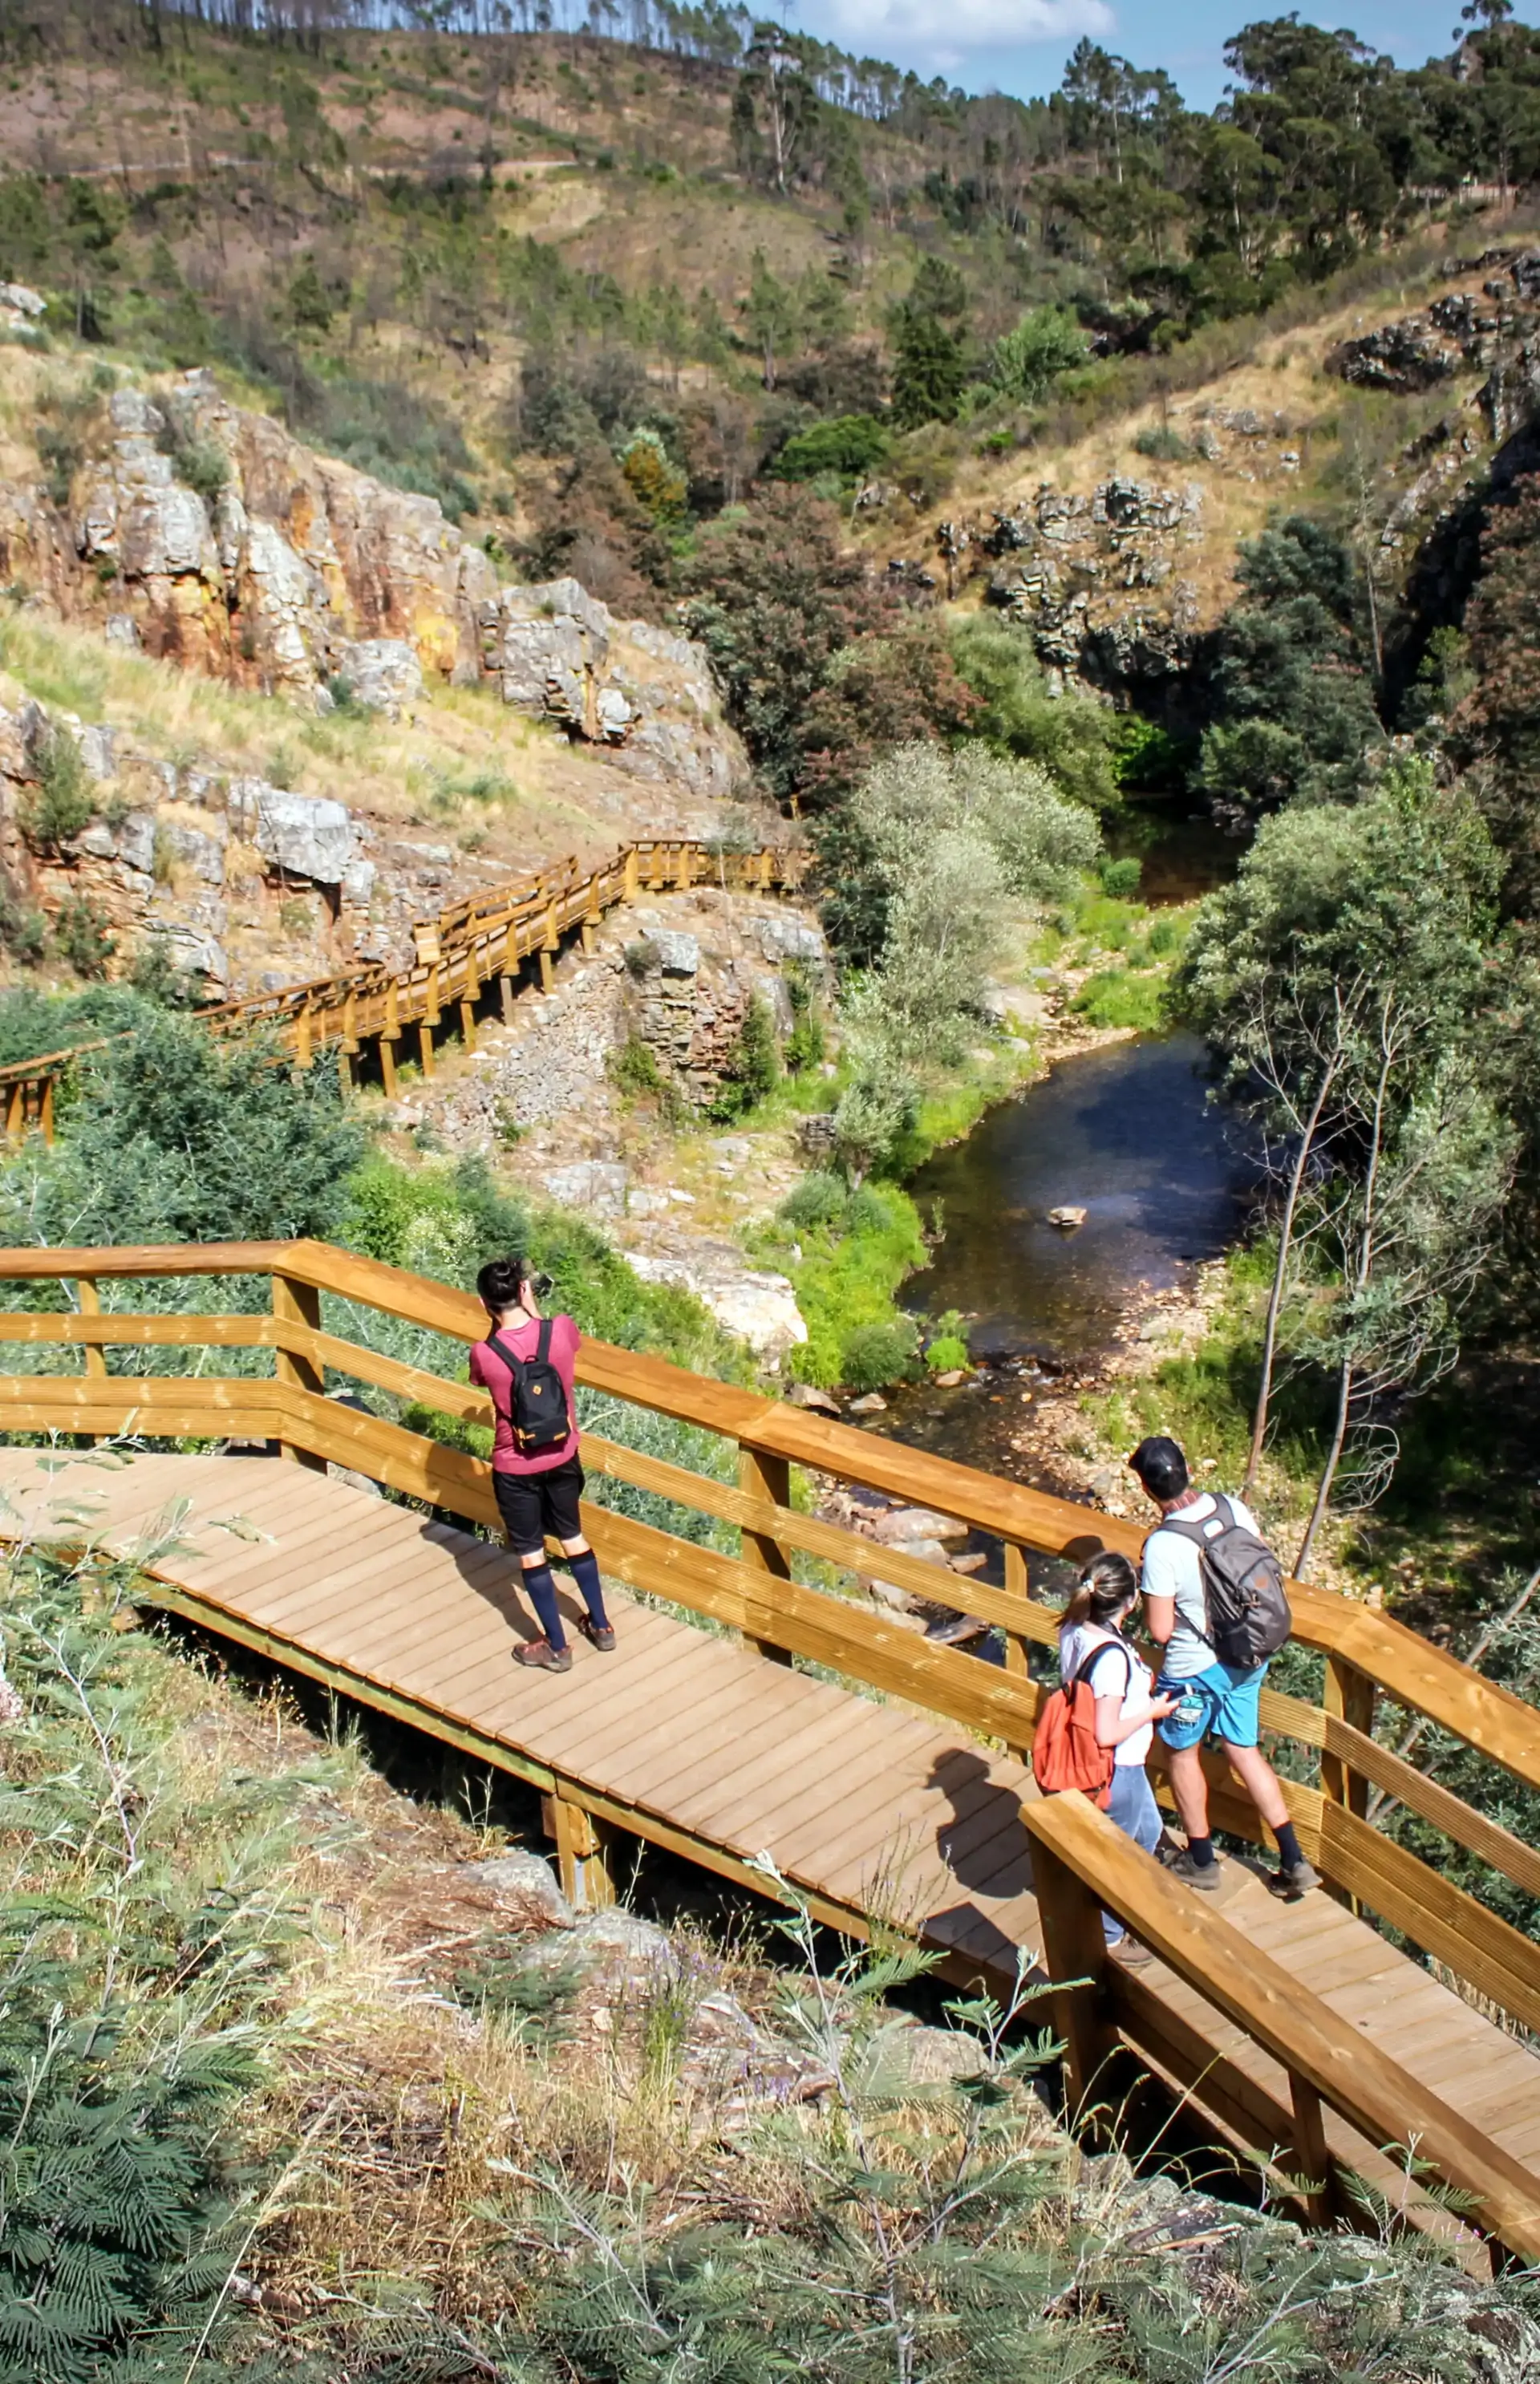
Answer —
(1066, 564)
(177, 854)
(207, 534)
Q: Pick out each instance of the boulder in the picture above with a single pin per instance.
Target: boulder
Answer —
(760, 1308)
(870, 1403)
(595, 1184)
(807, 1395)
(901, 1523)
(1067, 1218)
(381, 674)
(524, 1878)
(305, 835)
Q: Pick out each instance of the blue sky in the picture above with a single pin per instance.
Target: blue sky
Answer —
(1020, 45)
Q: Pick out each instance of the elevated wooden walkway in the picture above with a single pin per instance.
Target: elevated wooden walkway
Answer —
(1300, 2030)
(494, 942)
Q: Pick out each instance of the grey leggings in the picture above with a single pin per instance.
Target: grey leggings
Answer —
(1137, 1816)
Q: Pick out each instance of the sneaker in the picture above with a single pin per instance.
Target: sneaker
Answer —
(1132, 1952)
(540, 1657)
(1294, 1879)
(598, 1635)
(1208, 1877)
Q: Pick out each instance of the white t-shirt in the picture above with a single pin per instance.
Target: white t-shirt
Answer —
(1171, 1570)
(1076, 1645)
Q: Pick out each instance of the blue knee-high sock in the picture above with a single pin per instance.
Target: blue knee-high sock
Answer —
(585, 1572)
(541, 1588)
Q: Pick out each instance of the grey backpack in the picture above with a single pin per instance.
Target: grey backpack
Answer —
(1245, 1608)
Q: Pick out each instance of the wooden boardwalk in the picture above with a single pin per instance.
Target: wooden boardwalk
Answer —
(693, 1741)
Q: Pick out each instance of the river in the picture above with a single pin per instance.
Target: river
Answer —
(1127, 1131)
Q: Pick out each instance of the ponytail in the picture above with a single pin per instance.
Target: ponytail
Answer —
(1107, 1586)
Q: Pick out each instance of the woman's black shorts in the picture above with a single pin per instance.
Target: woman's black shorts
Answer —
(534, 1506)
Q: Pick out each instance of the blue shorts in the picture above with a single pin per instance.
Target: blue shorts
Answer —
(1220, 1703)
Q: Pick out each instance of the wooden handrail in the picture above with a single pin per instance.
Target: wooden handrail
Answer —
(1081, 1862)
(757, 1595)
(783, 1526)
(1393, 1658)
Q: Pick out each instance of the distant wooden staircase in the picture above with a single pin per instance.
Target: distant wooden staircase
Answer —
(506, 940)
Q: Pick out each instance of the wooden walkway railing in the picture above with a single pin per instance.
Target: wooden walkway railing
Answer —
(1367, 1656)
(502, 939)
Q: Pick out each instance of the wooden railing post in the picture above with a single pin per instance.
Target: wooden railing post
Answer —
(632, 874)
(89, 1301)
(1350, 1694)
(1309, 2149)
(551, 942)
(389, 1034)
(298, 1303)
(1017, 1584)
(765, 1477)
(1074, 1955)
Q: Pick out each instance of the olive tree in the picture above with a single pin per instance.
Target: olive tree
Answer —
(1346, 981)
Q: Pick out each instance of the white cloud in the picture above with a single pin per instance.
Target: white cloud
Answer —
(946, 34)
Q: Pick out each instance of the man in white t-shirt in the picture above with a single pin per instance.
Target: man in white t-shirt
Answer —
(1215, 1699)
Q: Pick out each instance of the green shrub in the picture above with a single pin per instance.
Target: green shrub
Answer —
(754, 1067)
(948, 1349)
(1166, 936)
(1121, 878)
(82, 936)
(848, 447)
(1120, 998)
(875, 1355)
(63, 801)
(1159, 441)
(634, 1069)
(818, 1199)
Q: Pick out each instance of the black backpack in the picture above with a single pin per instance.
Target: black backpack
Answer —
(537, 1409)
(1247, 1615)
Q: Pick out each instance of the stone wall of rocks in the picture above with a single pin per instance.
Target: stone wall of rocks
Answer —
(290, 572)
(198, 861)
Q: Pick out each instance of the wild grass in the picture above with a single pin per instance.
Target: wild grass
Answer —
(464, 757)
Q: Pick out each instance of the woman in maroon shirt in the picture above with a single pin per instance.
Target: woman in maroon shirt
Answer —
(536, 1495)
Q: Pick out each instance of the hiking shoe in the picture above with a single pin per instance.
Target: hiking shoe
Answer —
(540, 1657)
(1293, 1881)
(598, 1635)
(1132, 1952)
(1207, 1877)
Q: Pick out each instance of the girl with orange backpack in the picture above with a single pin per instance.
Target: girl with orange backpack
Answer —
(1094, 1731)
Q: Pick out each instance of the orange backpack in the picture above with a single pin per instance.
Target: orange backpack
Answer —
(1064, 1749)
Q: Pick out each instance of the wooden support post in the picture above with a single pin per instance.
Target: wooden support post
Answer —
(633, 872)
(507, 986)
(1017, 1584)
(45, 1112)
(430, 998)
(389, 1034)
(425, 1048)
(1313, 2160)
(548, 981)
(89, 1301)
(1350, 1694)
(1075, 1954)
(592, 914)
(298, 1303)
(16, 1113)
(765, 1477)
(551, 942)
(582, 1847)
(469, 996)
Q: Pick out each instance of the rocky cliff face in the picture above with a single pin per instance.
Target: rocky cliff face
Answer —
(204, 533)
